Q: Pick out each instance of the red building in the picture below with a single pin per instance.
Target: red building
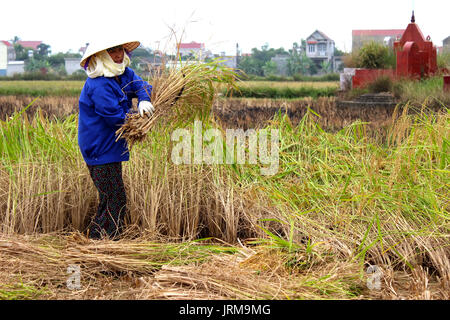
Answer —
(192, 48)
(416, 56)
(29, 44)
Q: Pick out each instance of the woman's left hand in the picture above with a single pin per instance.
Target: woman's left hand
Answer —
(146, 106)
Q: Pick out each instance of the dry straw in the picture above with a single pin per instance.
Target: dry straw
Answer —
(179, 94)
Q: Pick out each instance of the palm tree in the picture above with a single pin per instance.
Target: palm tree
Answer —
(15, 39)
(326, 66)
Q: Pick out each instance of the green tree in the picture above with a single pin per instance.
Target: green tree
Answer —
(338, 52)
(42, 51)
(295, 61)
(299, 62)
(142, 53)
(326, 66)
(15, 39)
(374, 55)
(56, 60)
(21, 52)
(34, 65)
(270, 68)
(255, 63)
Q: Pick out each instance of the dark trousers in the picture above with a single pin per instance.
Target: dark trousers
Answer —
(111, 211)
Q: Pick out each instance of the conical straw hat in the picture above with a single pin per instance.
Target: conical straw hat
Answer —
(100, 46)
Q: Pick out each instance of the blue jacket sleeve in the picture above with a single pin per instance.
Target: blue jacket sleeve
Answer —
(107, 105)
(140, 87)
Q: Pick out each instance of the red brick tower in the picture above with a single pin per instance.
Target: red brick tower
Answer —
(416, 56)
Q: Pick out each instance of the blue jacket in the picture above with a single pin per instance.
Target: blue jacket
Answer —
(103, 106)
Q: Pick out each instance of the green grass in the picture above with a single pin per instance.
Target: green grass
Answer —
(419, 92)
(248, 89)
(284, 92)
(20, 291)
(41, 88)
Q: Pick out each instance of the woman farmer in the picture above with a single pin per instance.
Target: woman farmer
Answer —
(105, 100)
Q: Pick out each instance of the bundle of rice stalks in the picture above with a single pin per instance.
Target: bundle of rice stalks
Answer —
(179, 95)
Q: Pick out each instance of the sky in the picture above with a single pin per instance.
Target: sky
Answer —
(68, 25)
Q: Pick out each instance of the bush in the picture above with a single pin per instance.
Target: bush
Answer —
(443, 60)
(374, 55)
(351, 60)
(381, 84)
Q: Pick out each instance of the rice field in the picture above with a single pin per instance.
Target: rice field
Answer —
(355, 191)
(339, 203)
(265, 89)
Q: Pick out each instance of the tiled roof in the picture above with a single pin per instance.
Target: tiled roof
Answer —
(192, 45)
(7, 43)
(29, 44)
(323, 35)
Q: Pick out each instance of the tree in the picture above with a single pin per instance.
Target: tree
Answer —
(256, 63)
(338, 53)
(326, 66)
(21, 52)
(298, 62)
(294, 61)
(269, 68)
(15, 40)
(56, 60)
(142, 52)
(34, 65)
(42, 51)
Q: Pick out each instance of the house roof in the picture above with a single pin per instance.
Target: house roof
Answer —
(29, 44)
(7, 43)
(446, 39)
(323, 35)
(384, 33)
(192, 45)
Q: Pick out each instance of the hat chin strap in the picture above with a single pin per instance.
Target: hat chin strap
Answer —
(103, 65)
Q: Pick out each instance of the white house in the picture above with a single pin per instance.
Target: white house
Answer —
(320, 48)
(191, 49)
(7, 53)
(15, 67)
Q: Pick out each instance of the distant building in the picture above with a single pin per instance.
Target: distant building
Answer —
(320, 48)
(446, 45)
(281, 61)
(82, 50)
(191, 49)
(72, 65)
(15, 67)
(228, 61)
(4, 50)
(148, 66)
(387, 37)
(30, 44)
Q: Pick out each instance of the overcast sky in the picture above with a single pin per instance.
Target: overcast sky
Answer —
(68, 25)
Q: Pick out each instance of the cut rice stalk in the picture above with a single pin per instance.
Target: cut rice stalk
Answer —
(177, 95)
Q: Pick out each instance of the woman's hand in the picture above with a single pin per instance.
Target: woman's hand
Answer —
(145, 106)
